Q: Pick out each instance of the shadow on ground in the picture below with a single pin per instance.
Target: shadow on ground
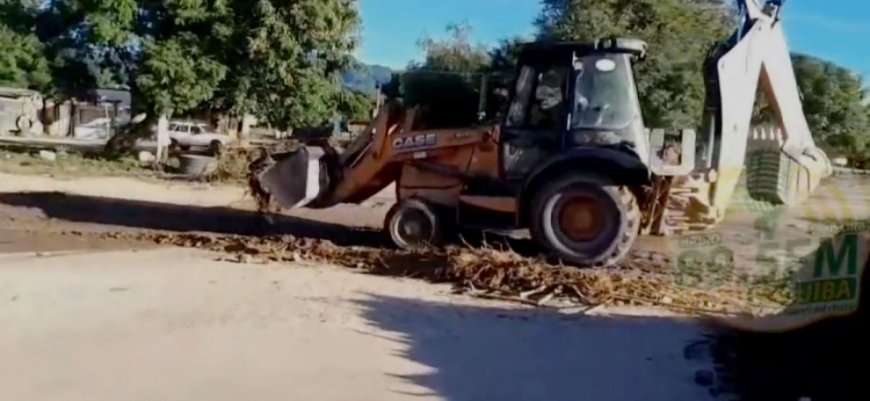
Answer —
(219, 220)
(825, 361)
(476, 353)
(481, 353)
(181, 218)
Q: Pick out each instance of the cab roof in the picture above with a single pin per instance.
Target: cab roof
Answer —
(546, 49)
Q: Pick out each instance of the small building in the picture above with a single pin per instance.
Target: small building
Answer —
(20, 111)
(93, 117)
(103, 107)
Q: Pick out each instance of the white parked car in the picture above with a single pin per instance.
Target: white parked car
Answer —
(185, 135)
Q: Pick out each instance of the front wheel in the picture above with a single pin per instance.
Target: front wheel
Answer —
(585, 220)
(412, 223)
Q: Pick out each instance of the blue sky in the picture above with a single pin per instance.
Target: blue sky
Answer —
(838, 30)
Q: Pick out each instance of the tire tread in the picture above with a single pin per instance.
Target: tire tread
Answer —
(624, 195)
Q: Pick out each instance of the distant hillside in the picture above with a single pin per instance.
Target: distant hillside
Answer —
(366, 77)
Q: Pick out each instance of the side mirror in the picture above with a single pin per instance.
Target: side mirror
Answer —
(675, 158)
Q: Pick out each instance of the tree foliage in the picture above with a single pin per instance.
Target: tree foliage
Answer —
(279, 60)
(458, 53)
(22, 62)
(284, 60)
(833, 100)
(356, 105)
(175, 75)
(447, 83)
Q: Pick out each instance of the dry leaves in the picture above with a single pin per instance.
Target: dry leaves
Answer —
(479, 271)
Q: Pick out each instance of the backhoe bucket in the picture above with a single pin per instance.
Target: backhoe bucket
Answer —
(293, 179)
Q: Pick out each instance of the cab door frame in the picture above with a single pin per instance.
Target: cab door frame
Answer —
(535, 138)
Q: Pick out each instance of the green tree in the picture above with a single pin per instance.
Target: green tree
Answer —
(355, 105)
(285, 59)
(278, 60)
(458, 53)
(679, 33)
(447, 83)
(175, 75)
(22, 62)
(833, 101)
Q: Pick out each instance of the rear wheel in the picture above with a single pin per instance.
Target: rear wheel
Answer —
(412, 223)
(585, 220)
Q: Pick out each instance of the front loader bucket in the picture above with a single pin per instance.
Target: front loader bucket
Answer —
(293, 179)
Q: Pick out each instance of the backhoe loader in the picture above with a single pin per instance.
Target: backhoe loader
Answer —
(571, 161)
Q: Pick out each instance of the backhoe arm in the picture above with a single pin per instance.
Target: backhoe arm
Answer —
(784, 169)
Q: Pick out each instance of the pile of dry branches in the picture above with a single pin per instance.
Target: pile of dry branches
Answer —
(481, 271)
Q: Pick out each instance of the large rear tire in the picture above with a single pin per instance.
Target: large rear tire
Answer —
(585, 220)
(412, 223)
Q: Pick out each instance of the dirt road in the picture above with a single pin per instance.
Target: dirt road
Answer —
(114, 320)
(91, 319)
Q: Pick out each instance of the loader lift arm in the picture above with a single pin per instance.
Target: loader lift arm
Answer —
(370, 164)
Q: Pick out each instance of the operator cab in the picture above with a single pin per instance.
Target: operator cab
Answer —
(572, 95)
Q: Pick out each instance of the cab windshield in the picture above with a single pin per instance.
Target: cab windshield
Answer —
(604, 93)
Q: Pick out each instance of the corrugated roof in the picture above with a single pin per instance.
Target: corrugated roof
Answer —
(6, 91)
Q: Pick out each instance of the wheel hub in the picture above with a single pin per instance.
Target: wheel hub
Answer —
(581, 219)
(414, 227)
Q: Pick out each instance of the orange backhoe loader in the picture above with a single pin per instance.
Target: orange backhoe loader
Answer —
(571, 162)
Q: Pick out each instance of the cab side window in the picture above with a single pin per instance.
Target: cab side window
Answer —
(548, 107)
(540, 98)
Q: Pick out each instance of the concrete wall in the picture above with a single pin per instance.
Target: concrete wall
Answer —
(56, 117)
(12, 108)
